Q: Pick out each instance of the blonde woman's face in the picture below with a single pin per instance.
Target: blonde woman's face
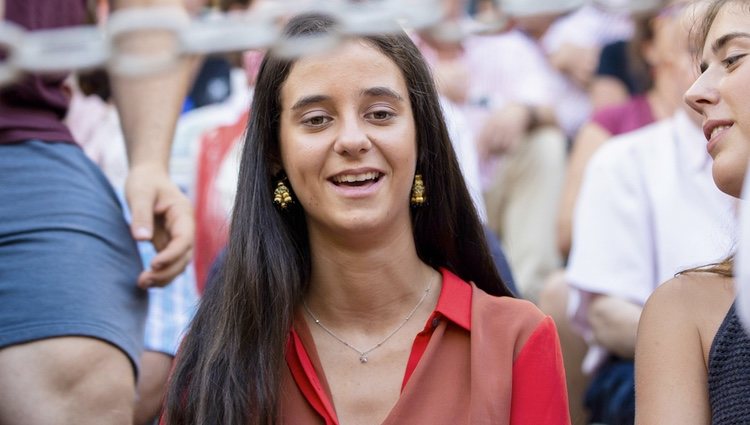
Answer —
(721, 96)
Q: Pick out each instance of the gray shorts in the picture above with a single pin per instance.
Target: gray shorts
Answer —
(68, 265)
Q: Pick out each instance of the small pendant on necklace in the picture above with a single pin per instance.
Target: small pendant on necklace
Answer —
(363, 358)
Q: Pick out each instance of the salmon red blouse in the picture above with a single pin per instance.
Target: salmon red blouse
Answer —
(480, 359)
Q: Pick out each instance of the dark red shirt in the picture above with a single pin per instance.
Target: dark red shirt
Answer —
(34, 107)
(479, 360)
(628, 116)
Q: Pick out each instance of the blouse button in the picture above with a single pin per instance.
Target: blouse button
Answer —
(435, 322)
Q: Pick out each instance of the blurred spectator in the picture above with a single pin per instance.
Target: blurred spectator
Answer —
(623, 69)
(71, 326)
(574, 42)
(669, 80)
(212, 83)
(551, 67)
(94, 123)
(207, 141)
(648, 208)
(475, 76)
(666, 67)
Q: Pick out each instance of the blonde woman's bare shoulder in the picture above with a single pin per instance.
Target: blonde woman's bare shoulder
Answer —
(696, 299)
(695, 288)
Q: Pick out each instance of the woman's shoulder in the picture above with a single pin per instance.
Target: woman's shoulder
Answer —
(506, 319)
(504, 306)
(699, 300)
(693, 290)
(501, 316)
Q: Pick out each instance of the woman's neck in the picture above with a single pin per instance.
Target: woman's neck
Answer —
(359, 283)
(662, 98)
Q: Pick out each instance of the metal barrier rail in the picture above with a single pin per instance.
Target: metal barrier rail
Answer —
(87, 47)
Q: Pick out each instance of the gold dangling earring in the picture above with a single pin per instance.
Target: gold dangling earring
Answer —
(418, 197)
(281, 195)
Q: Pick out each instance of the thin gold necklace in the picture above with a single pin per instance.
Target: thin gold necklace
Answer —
(363, 353)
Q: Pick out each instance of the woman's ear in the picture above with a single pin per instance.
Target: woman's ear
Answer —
(650, 54)
(649, 48)
(276, 168)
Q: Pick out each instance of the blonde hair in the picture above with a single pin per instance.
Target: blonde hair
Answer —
(724, 268)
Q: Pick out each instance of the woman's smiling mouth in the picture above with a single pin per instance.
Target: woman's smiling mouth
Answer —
(356, 179)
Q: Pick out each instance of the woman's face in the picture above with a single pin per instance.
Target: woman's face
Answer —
(348, 140)
(669, 51)
(721, 96)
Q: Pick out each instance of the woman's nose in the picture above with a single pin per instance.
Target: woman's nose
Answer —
(702, 93)
(352, 138)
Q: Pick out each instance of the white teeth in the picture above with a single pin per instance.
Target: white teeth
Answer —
(352, 178)
(718, 129)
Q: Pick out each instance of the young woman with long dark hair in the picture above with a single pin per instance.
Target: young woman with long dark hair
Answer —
(344, 294)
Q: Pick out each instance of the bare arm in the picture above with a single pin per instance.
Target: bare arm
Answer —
(152, 385)
(614, 322)
(452, 78)
(149, 107)
(504, 129)
(612, 251)
(589, 139)
(671, 379)
(578, 63)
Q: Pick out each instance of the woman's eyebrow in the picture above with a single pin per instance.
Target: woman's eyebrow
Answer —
(372, 92)
(308, 100)
(726, 38)
(380, 91)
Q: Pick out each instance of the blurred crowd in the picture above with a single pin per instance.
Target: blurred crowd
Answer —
(588, 170)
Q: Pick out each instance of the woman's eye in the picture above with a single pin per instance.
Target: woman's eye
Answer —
(380, 115)
(317, 121)
(732, 60)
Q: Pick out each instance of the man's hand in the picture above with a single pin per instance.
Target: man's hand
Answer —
(614, 322)
(452, 79)
(576, 62)
(504, 129)
(149, 106)
(162, 214)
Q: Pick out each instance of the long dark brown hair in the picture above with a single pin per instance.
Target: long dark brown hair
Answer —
(229, 368)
